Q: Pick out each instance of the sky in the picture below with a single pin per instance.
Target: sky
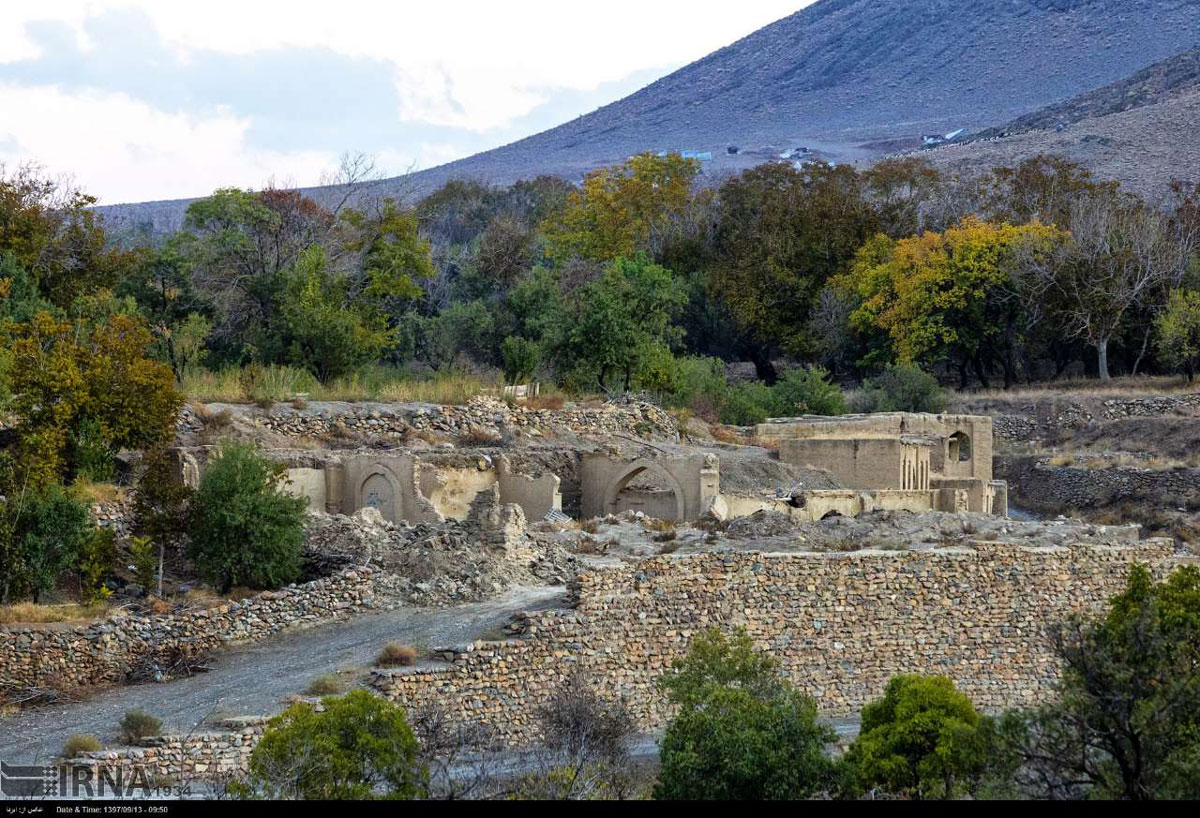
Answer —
(157, 99)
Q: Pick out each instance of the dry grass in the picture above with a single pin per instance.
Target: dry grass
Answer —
(327, 684)
(281, 383)
(1088, 388)
(654, 524)
(554, 402)
(86, 491)
(79, 744)
(477, 436)
(726, 434)
(396, 654)
(29, 613)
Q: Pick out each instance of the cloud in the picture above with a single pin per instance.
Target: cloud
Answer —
(131, 151)
(288, 85)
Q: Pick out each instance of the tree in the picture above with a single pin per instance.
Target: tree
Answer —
(781, 234)
(901, 191)
(741, 732)
(1119, 252)
(1125, 722)
(161, 285)
(42, 533)
(945, 295)
(585, 754)
(901, 389)
(244, 528)
(1178, 330)
(50, 229)
(619, 209)
(521, 358)
(623, 321)
(64, 376)
(923, 739)
(360, 746)
(807, 392)
(321, 329)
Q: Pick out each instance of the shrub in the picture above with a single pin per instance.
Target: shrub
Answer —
(245, 529)
(923, 739)
(145, 562)
(807, 392)
(902, 389)
(96, 558)
(91, 453)
(359, 747)
(137, 725)
(327, 684)
(747, 404)
(521, 358)
(79, 744)
(43, 532)
(395, 654)
(741, 732)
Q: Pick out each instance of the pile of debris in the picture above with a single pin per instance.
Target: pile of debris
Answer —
(482, 417)
(438, 564)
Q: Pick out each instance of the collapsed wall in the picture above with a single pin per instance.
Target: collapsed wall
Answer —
(64, 658)
(840, 624)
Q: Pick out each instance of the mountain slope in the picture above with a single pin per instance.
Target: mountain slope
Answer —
(1172, 78)
(847, 78)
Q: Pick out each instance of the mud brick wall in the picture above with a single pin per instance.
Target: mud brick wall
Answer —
(100, 653)
(840, 625)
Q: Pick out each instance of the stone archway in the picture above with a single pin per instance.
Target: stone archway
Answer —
(633, 470)
(378, 491)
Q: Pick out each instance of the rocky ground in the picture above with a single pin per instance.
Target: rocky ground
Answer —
(256, 679)
(437, 564)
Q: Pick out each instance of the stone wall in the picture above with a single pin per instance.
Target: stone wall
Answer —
(182, 758)
(1034, 419)
(1057, 489)
(101, 653)
(840, 624)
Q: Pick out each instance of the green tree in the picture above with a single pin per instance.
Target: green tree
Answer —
(359, 747)
(1125, 722)
(622, 321)
(923, 739)
(521, 358)
(741, 732)
(162, 286)
(945, 295)
(1178, 332)
(43, 532)
(67, 379)
(901, 389)
(807, 392)
(781, 233)
(245, 529)
(321, 328)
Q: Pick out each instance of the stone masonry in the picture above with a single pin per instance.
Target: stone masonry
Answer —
(840, 625)
(64, 658)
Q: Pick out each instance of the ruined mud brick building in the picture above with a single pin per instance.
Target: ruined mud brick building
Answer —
(890, 461)
(914, 461)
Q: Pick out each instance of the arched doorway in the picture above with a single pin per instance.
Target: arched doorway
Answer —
(378, 492)
(661, 496)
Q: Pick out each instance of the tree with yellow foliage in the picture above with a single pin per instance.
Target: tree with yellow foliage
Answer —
(945, 295)
(619, 209)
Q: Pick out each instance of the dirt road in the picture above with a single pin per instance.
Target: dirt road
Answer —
(253, 679)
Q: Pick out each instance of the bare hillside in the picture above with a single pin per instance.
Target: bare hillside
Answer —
(1145, 148)
(849, 78)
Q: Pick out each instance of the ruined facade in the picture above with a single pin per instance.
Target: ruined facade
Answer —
(916, 461)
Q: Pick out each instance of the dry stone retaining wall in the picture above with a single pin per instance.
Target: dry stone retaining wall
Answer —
(1041, 486)
(64, 658)
(840, 624)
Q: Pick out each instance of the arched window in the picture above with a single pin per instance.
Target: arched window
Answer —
(960, 448)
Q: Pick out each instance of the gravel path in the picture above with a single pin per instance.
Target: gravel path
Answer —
(254, 678)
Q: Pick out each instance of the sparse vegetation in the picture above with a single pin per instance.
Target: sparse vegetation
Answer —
(396, 654)
(137, 725)
(327, 684)
(79, 744)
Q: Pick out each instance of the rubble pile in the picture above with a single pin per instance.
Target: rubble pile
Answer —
(438, 564)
